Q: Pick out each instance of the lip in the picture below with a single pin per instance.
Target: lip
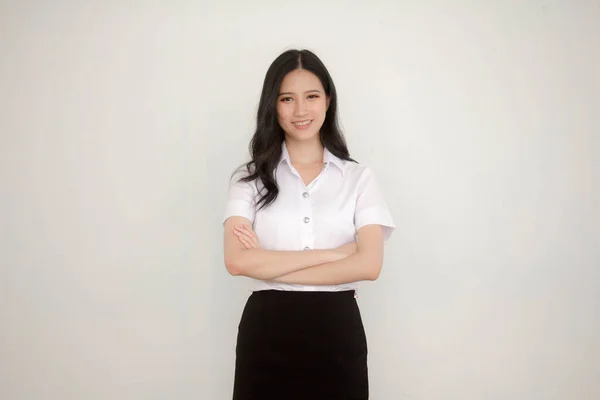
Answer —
(303, 127)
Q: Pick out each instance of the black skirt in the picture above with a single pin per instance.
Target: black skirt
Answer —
(301, 345)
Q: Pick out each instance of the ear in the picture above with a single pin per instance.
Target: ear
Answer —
(328, 101)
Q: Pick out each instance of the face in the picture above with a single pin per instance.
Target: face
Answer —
(301, 105)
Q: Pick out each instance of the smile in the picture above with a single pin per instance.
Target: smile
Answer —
(302, 124)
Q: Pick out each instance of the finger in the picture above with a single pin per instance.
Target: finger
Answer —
(250, 244)
(240, 231)
(250, 235)
(248, 240)
(237, 233)
(250, 231)
(254, 242)
(240, 235)
(245, 242)
(247, 235)
(254, 239)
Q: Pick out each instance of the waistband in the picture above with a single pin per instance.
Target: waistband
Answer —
(297, 294)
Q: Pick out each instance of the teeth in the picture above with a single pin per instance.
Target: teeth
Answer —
(302, 123)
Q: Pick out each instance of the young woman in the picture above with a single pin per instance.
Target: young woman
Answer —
(306, 222)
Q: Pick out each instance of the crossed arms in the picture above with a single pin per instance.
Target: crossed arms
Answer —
(349, 263)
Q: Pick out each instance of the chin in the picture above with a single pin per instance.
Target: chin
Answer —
(304, 136)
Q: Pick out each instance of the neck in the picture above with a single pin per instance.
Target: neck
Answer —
(305, 151)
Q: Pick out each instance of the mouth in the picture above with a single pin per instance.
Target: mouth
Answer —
(302, 124)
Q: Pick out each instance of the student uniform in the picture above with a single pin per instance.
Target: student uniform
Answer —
(300, 341)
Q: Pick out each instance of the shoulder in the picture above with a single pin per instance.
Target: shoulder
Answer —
(236, 179)
(357, 172)
(240, 173)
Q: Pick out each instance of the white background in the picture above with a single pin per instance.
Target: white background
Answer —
(121, 122)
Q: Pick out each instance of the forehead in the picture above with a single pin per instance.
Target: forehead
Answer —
(300, 80)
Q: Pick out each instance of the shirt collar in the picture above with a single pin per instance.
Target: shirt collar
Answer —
(328, 158)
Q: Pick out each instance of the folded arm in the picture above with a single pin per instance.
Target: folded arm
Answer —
(263, 264)
(363, 265)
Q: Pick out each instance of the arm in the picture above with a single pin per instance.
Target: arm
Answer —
(263, 264)
(365, 264)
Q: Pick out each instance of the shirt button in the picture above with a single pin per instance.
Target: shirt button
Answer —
(307, 248)
(306, 220)
(305, 194)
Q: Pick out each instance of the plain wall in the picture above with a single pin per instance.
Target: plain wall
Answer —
(120, 125)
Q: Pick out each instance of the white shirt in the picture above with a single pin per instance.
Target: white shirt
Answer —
(323, 215)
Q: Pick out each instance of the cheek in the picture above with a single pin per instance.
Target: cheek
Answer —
(320, 109)
(283, 114)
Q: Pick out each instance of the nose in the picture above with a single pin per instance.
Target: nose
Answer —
(300, 108)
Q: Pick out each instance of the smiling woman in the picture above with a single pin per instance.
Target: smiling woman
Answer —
(307, 223)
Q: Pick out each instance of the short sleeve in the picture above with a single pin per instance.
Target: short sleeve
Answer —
(371, 207)
(241, 198)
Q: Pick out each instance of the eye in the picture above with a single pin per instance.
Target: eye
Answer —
(313, 96)
(286, 99)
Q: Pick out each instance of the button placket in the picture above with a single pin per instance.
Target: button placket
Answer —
(306, 214)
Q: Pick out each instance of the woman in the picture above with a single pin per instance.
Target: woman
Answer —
(306, 222)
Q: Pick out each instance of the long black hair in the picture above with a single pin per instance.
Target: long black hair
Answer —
(265, 146)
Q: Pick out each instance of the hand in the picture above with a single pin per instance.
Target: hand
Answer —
(246, 236)
(348, 249)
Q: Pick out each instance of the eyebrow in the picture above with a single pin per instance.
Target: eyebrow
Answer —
(308, 91)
